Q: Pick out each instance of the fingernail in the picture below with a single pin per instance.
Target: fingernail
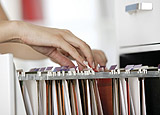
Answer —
(93, 65)
(85, 63)
(97, 67)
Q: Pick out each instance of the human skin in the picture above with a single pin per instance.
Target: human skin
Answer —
(50, 42)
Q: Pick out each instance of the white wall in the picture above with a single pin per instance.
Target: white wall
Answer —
(79, 16)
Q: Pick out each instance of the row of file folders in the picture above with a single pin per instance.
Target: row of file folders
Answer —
(110, 96)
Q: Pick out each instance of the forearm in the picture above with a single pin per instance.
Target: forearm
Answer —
(46, 41)
(8, 29)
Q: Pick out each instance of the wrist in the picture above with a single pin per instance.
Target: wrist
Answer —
(16, 29)
(10, 31)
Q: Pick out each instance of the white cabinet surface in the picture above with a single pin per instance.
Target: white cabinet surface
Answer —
(141, 27)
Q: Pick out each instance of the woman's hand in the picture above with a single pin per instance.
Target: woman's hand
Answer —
(57, 44)
(98, 55)
(48, 40)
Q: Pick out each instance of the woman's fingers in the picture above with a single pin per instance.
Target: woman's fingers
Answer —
(100, 57)
(76, 42)
(54, 55)
(72, 51)
(61, 59)
(80, 67)
(57, 38)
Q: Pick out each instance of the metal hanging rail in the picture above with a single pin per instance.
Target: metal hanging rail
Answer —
(88, 75)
